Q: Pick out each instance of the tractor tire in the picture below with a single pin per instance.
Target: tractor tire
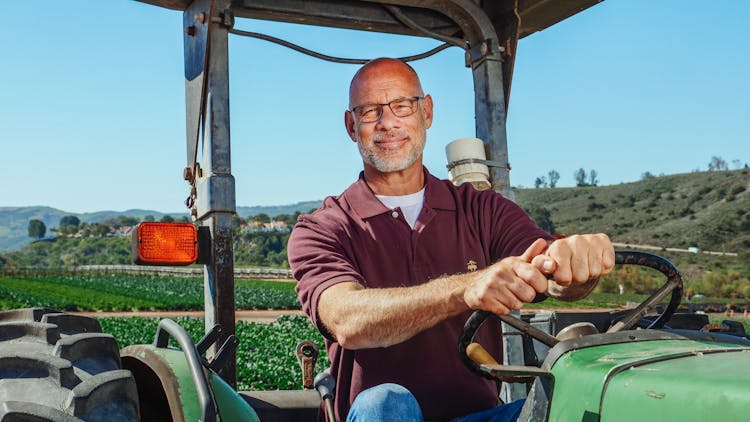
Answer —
(61, 367)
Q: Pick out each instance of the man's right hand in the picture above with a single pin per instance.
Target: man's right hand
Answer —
(509, 283)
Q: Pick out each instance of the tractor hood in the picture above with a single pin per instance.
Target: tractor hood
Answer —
(655, 375)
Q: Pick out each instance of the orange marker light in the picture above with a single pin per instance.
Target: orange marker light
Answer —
(165, 244)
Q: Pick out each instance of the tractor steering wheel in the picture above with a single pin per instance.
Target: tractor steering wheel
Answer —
(673, 285)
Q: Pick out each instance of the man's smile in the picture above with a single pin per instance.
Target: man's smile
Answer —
(391, 143)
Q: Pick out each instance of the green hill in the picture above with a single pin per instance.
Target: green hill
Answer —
(14, 221)
(710, 210)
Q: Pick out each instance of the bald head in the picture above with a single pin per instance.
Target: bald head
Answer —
(381, 73)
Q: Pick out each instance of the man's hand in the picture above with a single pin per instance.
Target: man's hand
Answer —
(510, 282)
(575, 263)
(578, 259)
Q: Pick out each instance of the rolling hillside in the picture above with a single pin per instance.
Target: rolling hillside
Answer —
(710, 210)
(14, 221)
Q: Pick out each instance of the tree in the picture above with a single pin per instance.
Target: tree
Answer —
(717, 164)
(288, 219)
(37, 229)
(554, 177)
(261, 218)
(592, 178)
(580, 177)
(647, 175)
(120, 221)
(166, 218)
(99, 230)
(68, 225)
(540, 182)
(542, 218)
(70, 220)
(149, 218)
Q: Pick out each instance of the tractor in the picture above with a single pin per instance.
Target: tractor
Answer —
(651, 362)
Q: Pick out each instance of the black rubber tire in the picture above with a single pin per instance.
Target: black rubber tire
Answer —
(61, 367)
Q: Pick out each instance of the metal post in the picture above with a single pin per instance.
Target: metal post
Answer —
(215, 192)
(512, 355)
(489, 108)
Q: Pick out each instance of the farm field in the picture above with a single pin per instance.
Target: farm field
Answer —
(109, 292)
(117, 293)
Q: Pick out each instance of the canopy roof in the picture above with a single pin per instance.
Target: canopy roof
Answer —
(535, 15)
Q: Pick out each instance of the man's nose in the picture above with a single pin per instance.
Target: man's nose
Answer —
(387, 119)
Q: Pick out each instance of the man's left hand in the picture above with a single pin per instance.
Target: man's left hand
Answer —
(577, 259)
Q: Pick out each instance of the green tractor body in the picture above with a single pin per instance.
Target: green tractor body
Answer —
(169, 391)
(650, 375)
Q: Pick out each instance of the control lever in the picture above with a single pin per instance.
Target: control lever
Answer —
(504, 373)
(479, 355)
(307, 356)
(325, 384)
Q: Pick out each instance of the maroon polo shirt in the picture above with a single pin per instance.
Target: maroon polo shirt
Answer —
(354, 237)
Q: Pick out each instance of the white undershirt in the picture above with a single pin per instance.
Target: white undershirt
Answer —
(410, 205)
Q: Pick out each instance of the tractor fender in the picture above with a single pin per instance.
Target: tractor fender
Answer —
(167, 391)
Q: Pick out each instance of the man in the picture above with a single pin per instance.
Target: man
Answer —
(390, 270)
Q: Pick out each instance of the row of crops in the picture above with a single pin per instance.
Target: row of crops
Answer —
(265, 355)
(116, 292)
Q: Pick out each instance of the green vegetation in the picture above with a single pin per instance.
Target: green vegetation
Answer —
(709, 210)
(109, 292)
(262, 248)
(265, 355)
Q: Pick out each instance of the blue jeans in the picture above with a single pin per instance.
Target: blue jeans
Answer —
(392, 402)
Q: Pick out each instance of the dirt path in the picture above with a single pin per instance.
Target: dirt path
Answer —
(242, 315)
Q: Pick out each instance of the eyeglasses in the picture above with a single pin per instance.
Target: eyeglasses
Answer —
(400, 107)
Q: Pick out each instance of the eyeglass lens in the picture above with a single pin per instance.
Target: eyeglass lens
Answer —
(400, 107)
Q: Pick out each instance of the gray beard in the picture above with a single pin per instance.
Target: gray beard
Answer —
(388, 164)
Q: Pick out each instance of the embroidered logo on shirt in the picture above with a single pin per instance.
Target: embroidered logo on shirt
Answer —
(471, 265)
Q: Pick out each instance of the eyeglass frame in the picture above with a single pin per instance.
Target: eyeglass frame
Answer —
(381, 106)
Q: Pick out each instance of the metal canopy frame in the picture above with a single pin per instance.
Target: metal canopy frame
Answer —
(487, 30)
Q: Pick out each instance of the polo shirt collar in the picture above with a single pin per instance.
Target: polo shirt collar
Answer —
(364, 202)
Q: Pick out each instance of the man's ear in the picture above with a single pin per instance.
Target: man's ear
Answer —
(350, 125)
(427, 107)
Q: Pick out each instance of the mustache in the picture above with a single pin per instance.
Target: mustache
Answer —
(395, 133)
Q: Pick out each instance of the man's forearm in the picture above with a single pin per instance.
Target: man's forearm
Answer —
(366, 318)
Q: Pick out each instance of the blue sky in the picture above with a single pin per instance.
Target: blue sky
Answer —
(92, 111)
